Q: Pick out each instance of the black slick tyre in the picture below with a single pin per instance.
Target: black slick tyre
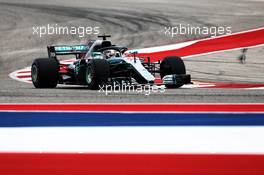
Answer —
(97, 73)
(45, 73)
(172, 65)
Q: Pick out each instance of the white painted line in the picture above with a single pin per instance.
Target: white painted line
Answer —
(190, 86)
(261, 88)
(24, 74)
(165, 48)
(133, 139)
(27, 79)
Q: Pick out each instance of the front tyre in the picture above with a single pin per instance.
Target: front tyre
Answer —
(172, 65)
(97, 73)
(45, 73)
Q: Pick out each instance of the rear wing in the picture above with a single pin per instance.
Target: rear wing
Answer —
(77, 50)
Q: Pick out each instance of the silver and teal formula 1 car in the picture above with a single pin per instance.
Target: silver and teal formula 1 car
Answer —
(100, 63)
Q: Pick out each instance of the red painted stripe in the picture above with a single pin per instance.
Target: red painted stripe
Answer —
(23, 76)
(130, 164)
(235, 85)
(137, 107)
(22, 72)
(240, 40)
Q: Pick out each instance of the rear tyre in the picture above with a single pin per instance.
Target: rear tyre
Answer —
(172, 65)
(97, 73)
(45, 73)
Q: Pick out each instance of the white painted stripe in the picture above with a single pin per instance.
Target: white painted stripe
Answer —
(190, 86)
(134, 139)
(26, 79)
(262, 88)
(24, 74)
(165, 48)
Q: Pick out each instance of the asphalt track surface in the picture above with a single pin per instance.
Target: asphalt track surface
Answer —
(135, 24)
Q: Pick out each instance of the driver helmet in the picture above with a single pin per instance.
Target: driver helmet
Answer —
(109, 54)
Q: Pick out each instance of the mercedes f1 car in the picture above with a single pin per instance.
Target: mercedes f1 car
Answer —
(100, 63)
